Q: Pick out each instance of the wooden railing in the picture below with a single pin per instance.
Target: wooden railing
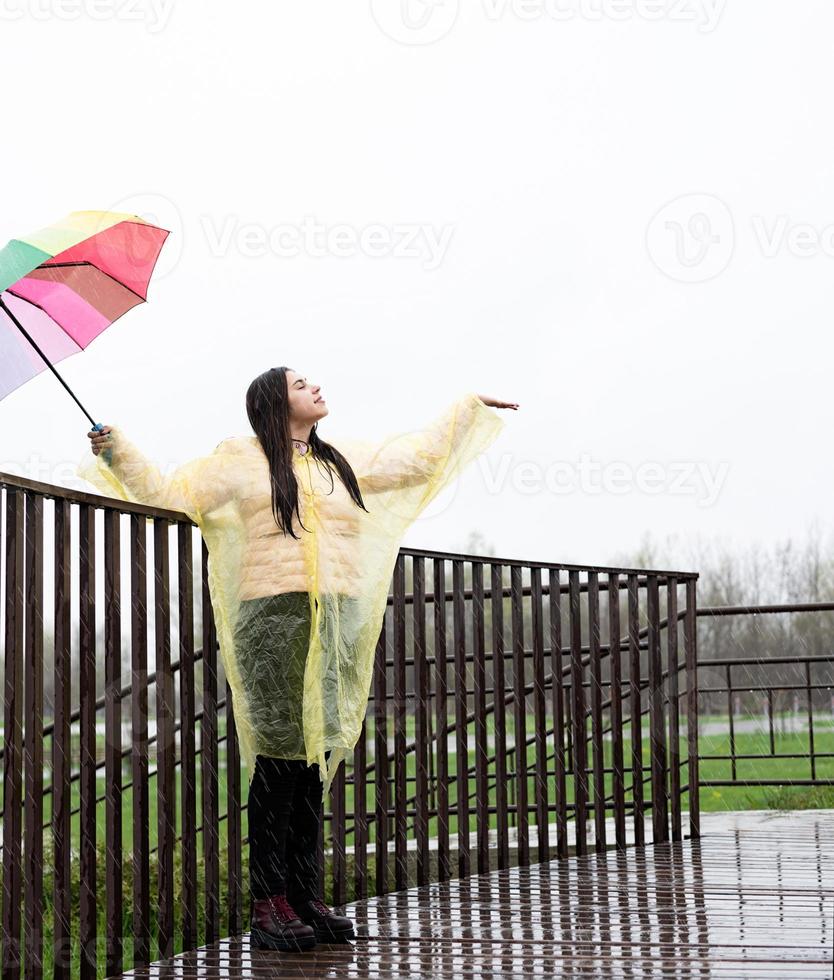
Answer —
(778, 696)
(500, 730)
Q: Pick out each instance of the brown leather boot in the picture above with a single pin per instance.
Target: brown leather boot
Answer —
(276, 925)
(329, 927)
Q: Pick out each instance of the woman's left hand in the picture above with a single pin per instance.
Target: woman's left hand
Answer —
(496, 402)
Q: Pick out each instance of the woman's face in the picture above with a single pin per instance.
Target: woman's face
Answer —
(307, 405)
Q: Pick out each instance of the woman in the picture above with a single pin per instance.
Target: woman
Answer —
(302, 537)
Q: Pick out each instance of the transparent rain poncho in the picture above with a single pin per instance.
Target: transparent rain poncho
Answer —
(298, 620)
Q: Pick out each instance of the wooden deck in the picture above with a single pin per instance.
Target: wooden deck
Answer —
(753, 898)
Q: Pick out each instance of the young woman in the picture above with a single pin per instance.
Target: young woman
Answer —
(302, 536)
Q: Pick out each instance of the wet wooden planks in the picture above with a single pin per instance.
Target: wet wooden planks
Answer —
(753, 898)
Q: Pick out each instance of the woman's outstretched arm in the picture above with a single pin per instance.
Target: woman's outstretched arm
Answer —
(435, 453)
(119, 469)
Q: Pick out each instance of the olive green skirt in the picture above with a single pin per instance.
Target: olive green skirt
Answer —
(272, 637)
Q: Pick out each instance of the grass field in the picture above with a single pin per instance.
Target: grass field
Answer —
(739, 797)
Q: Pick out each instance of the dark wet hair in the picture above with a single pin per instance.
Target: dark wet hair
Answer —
(268, 408)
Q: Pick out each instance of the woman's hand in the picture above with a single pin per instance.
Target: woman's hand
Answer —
(497, 403)
(100, 440)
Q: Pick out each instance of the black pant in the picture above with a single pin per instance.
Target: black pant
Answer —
(285, 798)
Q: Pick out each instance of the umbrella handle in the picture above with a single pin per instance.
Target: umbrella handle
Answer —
(108, 453)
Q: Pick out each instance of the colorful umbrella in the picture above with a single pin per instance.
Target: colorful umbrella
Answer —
(64, 285)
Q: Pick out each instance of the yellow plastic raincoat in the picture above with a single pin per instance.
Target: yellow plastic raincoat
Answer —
(298, 619)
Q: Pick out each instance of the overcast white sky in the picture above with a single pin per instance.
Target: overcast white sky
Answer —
(618, 213)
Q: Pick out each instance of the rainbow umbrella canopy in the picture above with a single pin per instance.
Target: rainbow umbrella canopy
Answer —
(62, 286)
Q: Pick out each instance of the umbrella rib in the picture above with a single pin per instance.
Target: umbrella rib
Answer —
(37, 306)
(66, 265)
(20, 327)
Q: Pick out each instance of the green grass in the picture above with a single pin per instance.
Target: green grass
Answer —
(739, 797)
